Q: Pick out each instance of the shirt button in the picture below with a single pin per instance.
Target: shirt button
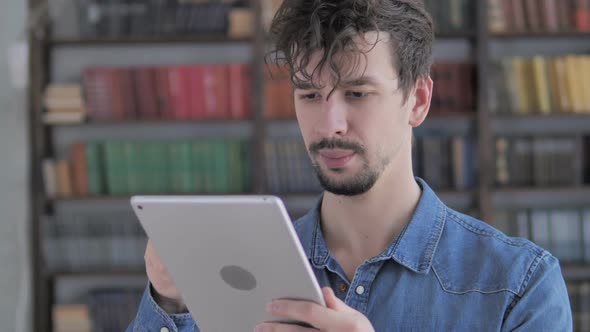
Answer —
(164, 329)
(342, 288)
(360, 290)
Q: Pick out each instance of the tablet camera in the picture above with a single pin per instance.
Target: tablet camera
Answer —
(237, 277)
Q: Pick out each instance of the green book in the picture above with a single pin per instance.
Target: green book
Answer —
(162, 167)
(114, 166)
(198, 169)
(133, 167)
(95, 168)
(221, 173)
(180, 164)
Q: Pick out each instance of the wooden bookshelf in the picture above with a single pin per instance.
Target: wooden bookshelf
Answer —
(541, 197)
(95, 274)
(155, 40)
(542, 35)
(541, 124)
(575, 272)
(480, 124)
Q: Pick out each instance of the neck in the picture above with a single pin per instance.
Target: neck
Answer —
(363, 226)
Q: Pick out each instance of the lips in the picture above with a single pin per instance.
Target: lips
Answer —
(336, 158)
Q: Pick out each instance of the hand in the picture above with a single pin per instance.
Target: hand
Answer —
(335, 317)
(167, 295)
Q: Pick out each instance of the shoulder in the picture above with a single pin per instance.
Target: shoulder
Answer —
(474, 256)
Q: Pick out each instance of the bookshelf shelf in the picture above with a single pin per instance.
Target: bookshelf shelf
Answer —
(541, 124)
(575, 272)
(450, 124)
(543, 35)
(127, 123)
(541, 197)
(154, 40)
(95, 274)
(455, 35)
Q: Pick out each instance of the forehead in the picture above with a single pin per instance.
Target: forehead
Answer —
(375, 60)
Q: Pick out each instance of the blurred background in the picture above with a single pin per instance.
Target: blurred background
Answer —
(103, 99)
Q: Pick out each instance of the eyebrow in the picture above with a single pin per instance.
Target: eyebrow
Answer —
(361, 81)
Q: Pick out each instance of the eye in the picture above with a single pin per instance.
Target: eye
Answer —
(357, 94)
(309, 96)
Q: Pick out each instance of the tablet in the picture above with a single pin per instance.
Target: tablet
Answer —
(229, 256)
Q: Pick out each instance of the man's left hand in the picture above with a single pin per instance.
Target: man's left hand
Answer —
(336, 316)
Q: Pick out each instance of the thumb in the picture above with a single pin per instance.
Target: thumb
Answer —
(332, 301)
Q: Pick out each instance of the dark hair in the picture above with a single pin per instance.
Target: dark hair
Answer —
(302, 27)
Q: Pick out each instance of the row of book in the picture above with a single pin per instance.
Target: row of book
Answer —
(446, 163)
(93, 241)
(523, 16)
(115, 19)
(451, 15)
(105, 310)
(563, 232)
(131, 167)
(541, 85)
(289, 168)
(579, 295)
(454, 87)
(185, 92)
(539, 161)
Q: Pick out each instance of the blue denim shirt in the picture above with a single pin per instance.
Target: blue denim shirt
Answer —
(445, 272)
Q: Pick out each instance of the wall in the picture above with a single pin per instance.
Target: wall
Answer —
(14, 284)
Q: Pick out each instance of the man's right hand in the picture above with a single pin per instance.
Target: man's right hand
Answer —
(166, 293)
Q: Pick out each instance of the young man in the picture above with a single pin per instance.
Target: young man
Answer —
(390, 254)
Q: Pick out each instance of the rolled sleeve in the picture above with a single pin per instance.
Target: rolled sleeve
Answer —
(150, 317)
(544, 304)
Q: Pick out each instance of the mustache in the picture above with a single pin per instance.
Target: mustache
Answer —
(334, 143)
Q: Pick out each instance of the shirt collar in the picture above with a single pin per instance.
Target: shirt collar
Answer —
(414, 248)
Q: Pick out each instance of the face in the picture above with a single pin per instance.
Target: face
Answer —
(357, 131)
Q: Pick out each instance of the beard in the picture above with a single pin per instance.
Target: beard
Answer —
(360, 183)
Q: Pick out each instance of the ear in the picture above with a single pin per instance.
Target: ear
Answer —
(422, 97)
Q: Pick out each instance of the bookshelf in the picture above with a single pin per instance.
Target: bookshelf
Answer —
(59, 58)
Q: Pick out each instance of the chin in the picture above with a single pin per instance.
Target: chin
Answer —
(350, 186)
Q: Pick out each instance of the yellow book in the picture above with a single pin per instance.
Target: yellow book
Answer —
(576, 105)
(585, 75)
(554, 88)
(543, 99)
(519, 66)
(561, 76)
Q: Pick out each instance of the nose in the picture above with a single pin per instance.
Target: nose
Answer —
(332, 121)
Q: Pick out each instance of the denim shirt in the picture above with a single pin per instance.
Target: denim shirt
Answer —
(445, 272)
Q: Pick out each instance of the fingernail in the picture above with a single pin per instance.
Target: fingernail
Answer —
(259, 328)
(269, 307)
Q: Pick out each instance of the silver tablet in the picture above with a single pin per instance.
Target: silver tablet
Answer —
(228, 255)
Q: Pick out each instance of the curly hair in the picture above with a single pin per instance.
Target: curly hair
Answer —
(302, 27)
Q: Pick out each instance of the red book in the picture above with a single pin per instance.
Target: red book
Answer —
(128, 94)
(117, 94)
(583, 16)
(98, 90)
(239, 91)
(79, 169)
(180, 94)
(532, 14)
(164, 97)
(146, 95)
(209, 91)
(222, 91)
(197, 88)
(518, 15)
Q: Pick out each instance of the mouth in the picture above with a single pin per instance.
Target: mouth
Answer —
(336, 158)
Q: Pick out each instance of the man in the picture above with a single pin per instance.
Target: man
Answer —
(390, 254)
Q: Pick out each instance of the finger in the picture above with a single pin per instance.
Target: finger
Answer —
(333, 302)
(305, 311)
(278, 327)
